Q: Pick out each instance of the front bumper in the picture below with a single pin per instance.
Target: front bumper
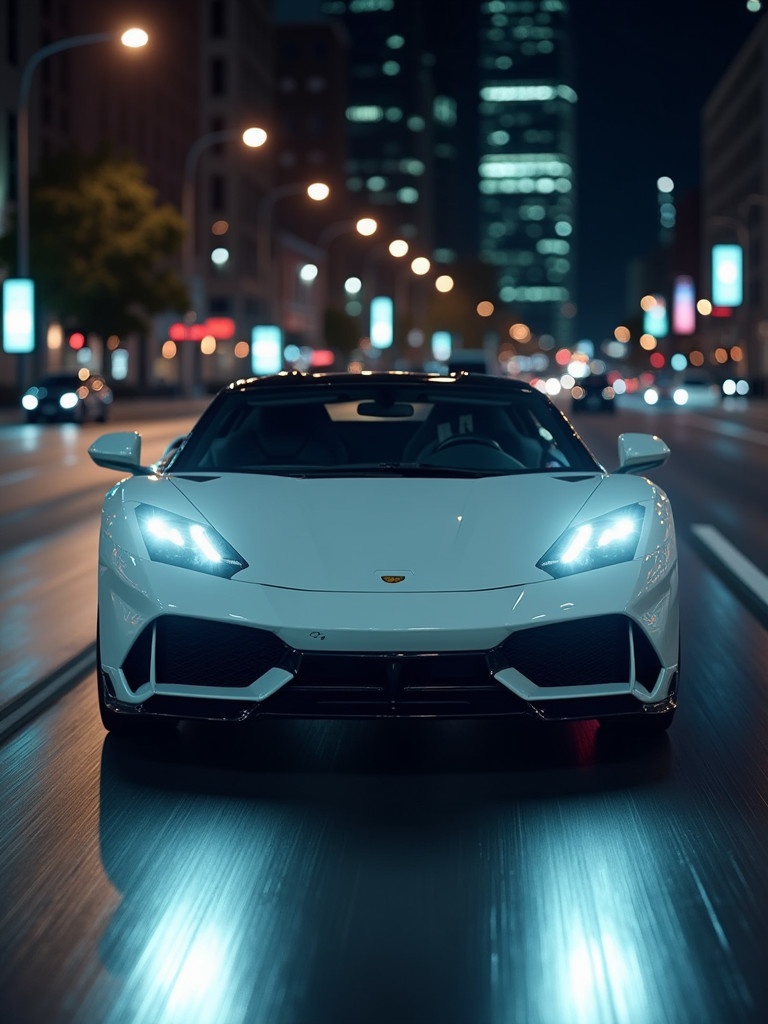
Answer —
(562, 649)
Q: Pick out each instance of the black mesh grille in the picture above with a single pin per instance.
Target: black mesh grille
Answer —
(647, 664)
(585, 652)
(390, 672)
(198, 653)
(136, 666)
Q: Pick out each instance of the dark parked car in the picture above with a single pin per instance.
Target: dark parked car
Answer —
(593, 394)
(71, 397)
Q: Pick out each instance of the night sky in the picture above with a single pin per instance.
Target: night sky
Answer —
(645, 69)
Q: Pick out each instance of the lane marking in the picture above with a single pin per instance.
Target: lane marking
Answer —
(733, 561)
(8, 479)
(730, 429)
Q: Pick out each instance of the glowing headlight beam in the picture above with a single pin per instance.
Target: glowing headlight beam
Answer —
(187, 544)
(578, 545)
(203, 541)
(616, 531)
(606, 540)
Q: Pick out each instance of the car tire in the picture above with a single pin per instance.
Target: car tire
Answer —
(125, 724)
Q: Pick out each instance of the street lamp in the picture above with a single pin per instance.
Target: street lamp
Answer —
(397, 248)
(363, 226)
(254, 138)
(317, 191)
(133, 38)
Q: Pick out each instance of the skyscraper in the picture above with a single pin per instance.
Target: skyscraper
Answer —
(526, 140)
(461, 119)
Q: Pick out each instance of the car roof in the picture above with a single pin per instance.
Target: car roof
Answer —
(295, 380)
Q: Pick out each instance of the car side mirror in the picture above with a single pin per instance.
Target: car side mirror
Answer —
(641, 452)
(120, 450)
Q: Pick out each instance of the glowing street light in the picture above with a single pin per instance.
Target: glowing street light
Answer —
(317, 191)
(132, 38)
(363, 226)
(253, 137)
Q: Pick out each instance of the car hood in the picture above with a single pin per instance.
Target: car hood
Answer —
(439, 534)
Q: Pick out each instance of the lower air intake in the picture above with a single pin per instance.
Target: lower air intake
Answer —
(198, 653)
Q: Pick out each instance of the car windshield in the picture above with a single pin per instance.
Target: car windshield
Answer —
(362, 427)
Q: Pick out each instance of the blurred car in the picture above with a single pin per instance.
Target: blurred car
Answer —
(388, 544)
(692, 392)
(593, 394)
(68, 397)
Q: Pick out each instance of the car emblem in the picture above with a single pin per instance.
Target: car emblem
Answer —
(393, 579)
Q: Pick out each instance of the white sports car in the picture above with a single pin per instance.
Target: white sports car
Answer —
(385, 544)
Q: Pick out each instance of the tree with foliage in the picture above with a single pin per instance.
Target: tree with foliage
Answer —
(341, 331)
(101, 248)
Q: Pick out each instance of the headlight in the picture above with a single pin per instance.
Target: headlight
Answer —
(680, 396)
(187, 543)
(68, 400)
(606, 540)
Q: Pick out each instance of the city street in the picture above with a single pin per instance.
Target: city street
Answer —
(484, 872)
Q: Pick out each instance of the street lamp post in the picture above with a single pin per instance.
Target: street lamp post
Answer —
(133, 39)
(408, 310)
(317, 191)
(363, 226)
(397, 248)
(254, 138)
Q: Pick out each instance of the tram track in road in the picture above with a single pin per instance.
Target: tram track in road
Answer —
(40, 695)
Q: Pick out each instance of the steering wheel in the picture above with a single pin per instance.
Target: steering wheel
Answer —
(451, 442)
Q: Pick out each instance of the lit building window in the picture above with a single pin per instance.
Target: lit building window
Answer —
(444, 110)
(363, 6)
(365, 114)
(411, 166)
